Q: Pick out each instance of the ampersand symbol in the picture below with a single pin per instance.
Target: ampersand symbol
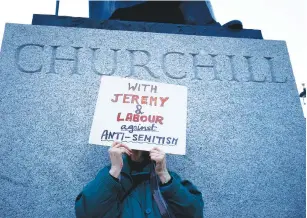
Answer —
(138, 109)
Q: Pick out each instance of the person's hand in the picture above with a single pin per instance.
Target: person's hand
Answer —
(116, 156)
(157, 155)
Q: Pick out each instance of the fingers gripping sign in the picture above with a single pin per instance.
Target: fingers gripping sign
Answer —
(116, 156)
(158, 155)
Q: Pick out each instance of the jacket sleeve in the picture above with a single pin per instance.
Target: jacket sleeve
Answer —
(183, 198)
(100, 197)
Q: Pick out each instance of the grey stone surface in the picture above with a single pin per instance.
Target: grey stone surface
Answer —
(245, 130)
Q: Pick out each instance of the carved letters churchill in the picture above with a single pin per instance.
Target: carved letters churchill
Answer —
(194, 64)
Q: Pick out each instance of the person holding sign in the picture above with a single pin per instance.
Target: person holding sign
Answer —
(137, 184)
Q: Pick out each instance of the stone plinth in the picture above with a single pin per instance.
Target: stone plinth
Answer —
(245, 127)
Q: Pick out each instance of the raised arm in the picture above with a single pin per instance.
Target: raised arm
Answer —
(182, 197)
(100, 197)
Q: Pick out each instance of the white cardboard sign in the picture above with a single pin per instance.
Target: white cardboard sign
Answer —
(141, 114)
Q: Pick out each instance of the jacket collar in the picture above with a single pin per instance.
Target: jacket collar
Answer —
(126, 167)
(127, 173)
(127, 163)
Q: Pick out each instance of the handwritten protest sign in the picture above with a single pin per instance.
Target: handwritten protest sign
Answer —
(141, 114)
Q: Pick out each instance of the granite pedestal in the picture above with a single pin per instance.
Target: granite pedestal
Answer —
(245, 126)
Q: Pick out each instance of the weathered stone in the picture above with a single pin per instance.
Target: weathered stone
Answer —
(245, 127)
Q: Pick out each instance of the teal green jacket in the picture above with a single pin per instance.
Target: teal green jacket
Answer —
(104, 197)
